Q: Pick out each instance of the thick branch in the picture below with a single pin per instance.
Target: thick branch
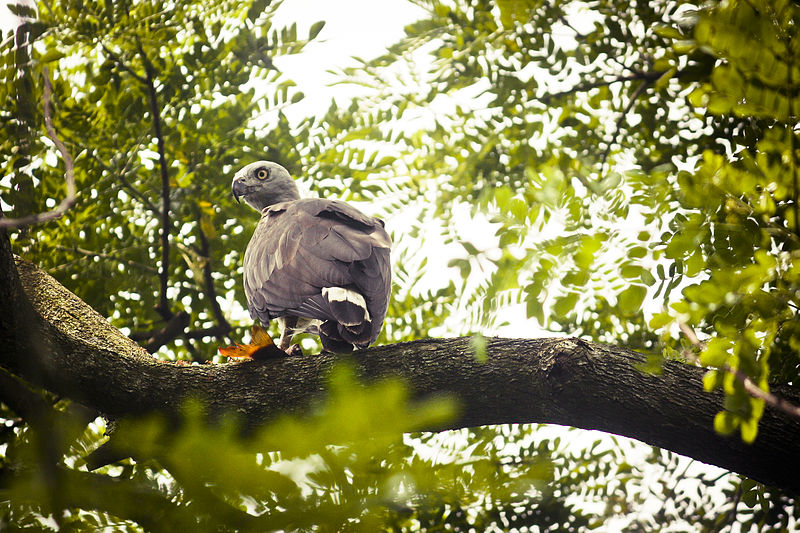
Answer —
(561, 381)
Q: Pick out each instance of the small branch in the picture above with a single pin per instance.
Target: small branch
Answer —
(69, 176)
(123, 181)
(690, 335)
(125, 498)
(214, 331)
(578, 35)
(770, 399)
(163, 304)
(111, 257)
(588, 86)
(211, 291)
(25, 403)
(174, 329)
(121, 64)
(636, 94)
(792, 148)
(750, 386)
(150, 206)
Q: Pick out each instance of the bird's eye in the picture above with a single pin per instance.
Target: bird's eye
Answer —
(262, 173)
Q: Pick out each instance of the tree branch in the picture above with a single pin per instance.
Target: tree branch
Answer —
(174, 328)
(121, 64)
(211, 292)
(155, 111)
(589, 85)
(110, 257)
(561, 381)
(69, 176)
(213, 331)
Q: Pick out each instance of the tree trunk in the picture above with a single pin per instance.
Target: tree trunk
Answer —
(567, 381)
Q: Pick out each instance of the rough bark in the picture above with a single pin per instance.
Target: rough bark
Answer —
(77, 354)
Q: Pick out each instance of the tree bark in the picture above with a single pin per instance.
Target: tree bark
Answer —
(74, 352)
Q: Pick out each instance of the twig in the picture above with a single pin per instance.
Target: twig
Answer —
(163, 304)
(618, 125)
(211, 291)
(69, 175)
(792, 148)
(588, 86)
(112, 257)
(121, 64)
(565, 22)
(749, 385)
(213, 331)
(174, 328)
(150, 206)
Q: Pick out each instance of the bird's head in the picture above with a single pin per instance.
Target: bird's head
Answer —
(262, 184)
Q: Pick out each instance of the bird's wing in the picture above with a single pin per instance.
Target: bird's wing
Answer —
(303, 246)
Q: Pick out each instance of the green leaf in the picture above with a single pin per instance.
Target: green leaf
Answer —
(712, 380)
(565, 305)
(54, 54)
(725, 423)
(749, 429)
(478, 344)
(630, 300)
(716, 352)
(315, 29)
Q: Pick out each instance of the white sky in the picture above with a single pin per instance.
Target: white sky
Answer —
(361, 28)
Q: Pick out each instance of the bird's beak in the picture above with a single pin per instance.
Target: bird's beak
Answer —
(238, 187)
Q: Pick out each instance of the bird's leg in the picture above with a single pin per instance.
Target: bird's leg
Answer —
(289, 324)
(287, 331)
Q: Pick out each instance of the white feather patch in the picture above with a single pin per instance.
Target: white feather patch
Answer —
(340, 294)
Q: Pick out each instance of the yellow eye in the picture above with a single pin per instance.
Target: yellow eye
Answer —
(262, 173)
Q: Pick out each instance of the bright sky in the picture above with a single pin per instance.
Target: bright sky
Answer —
(361, 28)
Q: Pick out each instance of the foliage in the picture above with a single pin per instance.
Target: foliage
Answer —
(635, 165)
(347, 466)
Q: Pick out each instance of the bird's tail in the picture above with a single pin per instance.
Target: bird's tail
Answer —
(351, 324)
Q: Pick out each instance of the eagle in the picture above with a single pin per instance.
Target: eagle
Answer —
(317, 265)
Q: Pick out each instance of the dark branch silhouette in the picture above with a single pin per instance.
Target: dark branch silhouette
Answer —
(163, 307)
(69, 176)
(107, 256)
(595, 84)
(223, 327)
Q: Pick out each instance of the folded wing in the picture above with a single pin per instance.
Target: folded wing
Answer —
(311, 258)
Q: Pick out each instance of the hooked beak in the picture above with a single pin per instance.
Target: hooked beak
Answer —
(238, 188)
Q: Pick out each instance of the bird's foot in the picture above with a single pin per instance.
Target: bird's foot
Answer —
(294, 350)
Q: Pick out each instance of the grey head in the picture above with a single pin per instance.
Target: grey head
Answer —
(262, 184)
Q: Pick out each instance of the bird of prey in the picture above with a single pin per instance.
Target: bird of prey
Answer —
(317, 265)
